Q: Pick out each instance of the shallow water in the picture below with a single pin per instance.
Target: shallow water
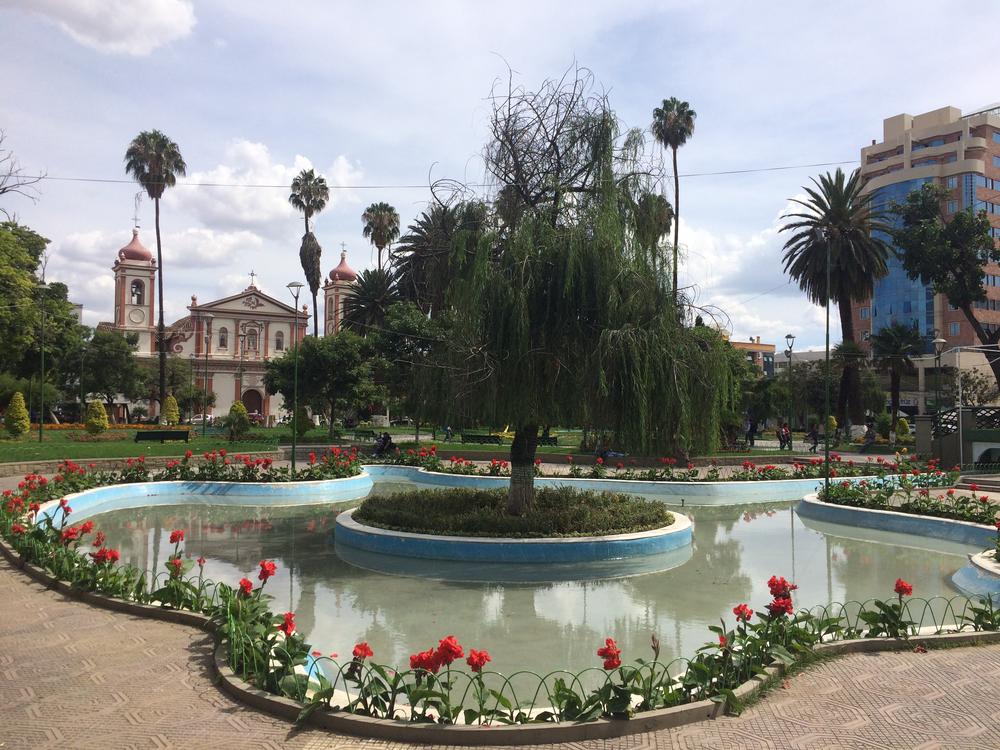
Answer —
(541, 624)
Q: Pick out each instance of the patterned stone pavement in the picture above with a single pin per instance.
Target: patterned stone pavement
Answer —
(75, 676)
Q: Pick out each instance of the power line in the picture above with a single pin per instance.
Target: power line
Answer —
(269, 186)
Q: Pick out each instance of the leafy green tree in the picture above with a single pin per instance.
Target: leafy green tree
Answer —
(237, 421)
(97, 418)
(948, 255)
(368, 299)
(381, 227)
(110, 368)
(195, 400)
(893, 348)
(673, 124)
(837, 219)
(977, 389)
(335, 374)
(155, 162)
(15, 418)
(171, 412)
(310, 194)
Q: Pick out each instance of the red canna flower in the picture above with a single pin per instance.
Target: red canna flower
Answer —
(86, 527)
(538, 462)
(743, 612)
(448, 650)
(780, 588)
(177, 564)
(477, 660)
(780, 606)
(363, 651)
(246, 586)
(317, 654)
(903, 588)
(722, 641)
(17, 528)
(600, 461)
(201, 562)
(177, 536)
(267, 569)
(425, 660)
(288, 626)
(610, 653)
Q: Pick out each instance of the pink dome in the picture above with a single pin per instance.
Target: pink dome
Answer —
(135, 250)
(343, 272)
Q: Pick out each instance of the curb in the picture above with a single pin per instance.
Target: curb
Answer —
(510, 735)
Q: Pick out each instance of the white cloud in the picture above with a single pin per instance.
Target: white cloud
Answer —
(126, 27)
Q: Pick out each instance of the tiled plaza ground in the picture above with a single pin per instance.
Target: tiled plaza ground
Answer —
(76, 676)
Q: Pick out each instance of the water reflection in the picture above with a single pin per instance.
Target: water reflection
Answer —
(537, 625)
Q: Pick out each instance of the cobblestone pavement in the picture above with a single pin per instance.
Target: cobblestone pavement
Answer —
(76, 676)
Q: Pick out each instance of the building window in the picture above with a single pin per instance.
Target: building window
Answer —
(279, 341)
(955, 328)
(865, 313)
(952, 182)
(996, 137)
(138, 292)
(252, 341)
(996, 161)
(952, 206)
(223, 338)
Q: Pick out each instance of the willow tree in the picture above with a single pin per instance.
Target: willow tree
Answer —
(565, 318)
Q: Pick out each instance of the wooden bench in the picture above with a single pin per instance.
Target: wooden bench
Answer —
(550, 440)
(152, 436)
(478, 437)
(365, 435)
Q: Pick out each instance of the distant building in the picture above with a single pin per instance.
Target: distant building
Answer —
(759, 355)
(962, 154)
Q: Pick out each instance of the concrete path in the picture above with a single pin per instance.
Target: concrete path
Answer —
(75, 676)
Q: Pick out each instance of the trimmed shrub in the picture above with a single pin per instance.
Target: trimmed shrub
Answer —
(883, 423)
(302, 422)
(831, 425)
(902, 428)
(16, 419)
(237, 421)
(171, 414)
(556, 511)
(97, 418)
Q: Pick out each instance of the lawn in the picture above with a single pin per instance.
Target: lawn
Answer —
(58, 444)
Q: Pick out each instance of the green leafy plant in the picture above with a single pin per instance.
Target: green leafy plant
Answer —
(97, 418)
(171, 412)
(15, 419)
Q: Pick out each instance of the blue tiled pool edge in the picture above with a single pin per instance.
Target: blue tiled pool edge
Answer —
(566, 549)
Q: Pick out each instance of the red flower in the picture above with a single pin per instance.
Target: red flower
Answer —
(177, 564)
(611, 654)
(201, 562)
(100, 539)
(288, 626)
(569, 459)
(538, 462)
(743, 612)
(86, 527)
(17, 528)
(246, 586)
(425, 660)
(780, 588)
(222, 452)
(177, 536)
(188, 453)
(267, 569)
(903, 588)
(600, 461)
(780, 606)
(312, 457)
(619, 466)
(973, 487)
(317, 654)
(70, 535)
(477, 660)
(448, 650)
(363, 651)
(105, 555)
(722, 641)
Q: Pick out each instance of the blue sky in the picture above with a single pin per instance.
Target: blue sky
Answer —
(387, 93)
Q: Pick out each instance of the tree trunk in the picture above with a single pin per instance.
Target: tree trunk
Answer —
(331, 421)
(160, 334)
(985, 339)
(895, 376)
(522, 469)
(852, 373)
(315, 316)
(677, 217)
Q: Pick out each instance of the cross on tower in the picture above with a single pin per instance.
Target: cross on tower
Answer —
(135, 212)
(343, 247)
(253, 275)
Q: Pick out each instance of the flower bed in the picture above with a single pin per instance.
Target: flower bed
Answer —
(266, 650)
(555, 512)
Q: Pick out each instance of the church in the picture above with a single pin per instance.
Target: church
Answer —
(227, 340)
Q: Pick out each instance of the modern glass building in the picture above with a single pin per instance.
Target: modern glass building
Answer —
(962, 154)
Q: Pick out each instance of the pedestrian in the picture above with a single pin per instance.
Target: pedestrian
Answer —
(751, 431)
(813, 437)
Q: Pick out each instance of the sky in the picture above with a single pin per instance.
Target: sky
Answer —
(383, 97)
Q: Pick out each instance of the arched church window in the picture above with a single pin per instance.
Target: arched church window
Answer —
(138, 292)
(252, 341)
(223, 338)
(279, 341)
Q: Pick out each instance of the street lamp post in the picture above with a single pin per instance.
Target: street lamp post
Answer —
(295, 288)
(194, 363)
(41, 386)
(939, 344)
(790, 341)
(826, 415)
(204, 389)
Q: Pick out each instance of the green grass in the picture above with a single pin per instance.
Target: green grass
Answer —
(59, 444)
(561, 512)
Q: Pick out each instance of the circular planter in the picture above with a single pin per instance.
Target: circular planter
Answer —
(513, 550)
(981, 577)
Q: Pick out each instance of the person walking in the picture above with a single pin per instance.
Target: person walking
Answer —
(751, 431)
(813, 437)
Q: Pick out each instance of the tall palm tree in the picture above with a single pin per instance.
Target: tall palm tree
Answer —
(421, 256)
(653, 217)
(309, 194)
(369, 298)
(155, 162)
(837, 217)
(892, 350)
(673, 124)
(381, 226)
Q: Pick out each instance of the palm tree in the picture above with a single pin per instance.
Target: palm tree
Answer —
(892, 350)
(653, 217)
(421, 256)
(155, 162)
(838, 218)
(381, 226)
(310, 195)
(673, 124)
(369, 298)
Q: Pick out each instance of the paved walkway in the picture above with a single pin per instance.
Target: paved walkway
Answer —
(75, 676)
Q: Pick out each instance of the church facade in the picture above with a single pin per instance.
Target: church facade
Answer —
(227, 341)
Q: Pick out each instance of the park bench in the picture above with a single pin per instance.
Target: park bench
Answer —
(365, 435)
(550, 440)
(152, 436)
(482, 438)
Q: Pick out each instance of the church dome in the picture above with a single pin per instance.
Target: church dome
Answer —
(135, 250)
(343, 272)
